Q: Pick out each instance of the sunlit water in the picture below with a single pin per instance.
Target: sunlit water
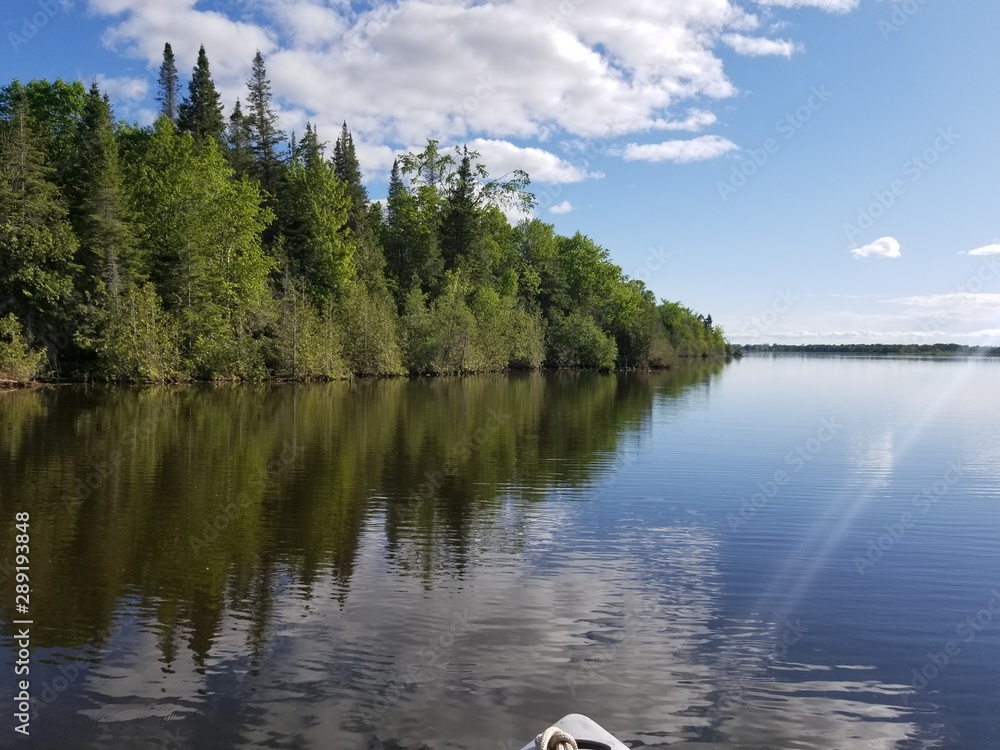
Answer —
(778, 553)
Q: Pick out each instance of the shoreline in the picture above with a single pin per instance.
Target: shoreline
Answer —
(13, 385)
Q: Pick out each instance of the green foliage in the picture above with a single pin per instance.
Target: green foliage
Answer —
(264, 134)
(691, 335)
(200, 114)
(506, 335)
(410, 236)
(203, 230)
(348, 169)
(18, 362)
(174, 252)
(460, 224)
(371, 332)
(107, 254)
(138, 341)
(239, 147)
(527, 339)
(454, 326)
(313, 212)
(417, 334)
(576, 341)
(37, 244)
(55, 109)
(306, 344)
(169, 94)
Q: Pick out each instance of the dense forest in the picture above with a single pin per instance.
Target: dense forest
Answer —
(932, 350)
(220, 248)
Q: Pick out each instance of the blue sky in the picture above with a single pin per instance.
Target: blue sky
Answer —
(803, 170)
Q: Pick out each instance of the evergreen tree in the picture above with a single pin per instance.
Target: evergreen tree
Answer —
(410, 237)
(56, 110)
(345, 162)
(362, 221)
(313, 211)
(264, 134)
(309, 152)
(37, 245)
(170, 87)
(107, 245)
(204, 229)
(460, 224)
(143, 247)
(200, 114)
(238, 146)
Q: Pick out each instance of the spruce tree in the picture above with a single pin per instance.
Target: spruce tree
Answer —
(36, 239)
(460, 225)
(396, 205)
(309, 151)
(55, 109)
(200, 114)
(107, 245)
(410, 236)
(345, 162)
(204, 229)
(170, 87)
(238, 146)
(264, 134)
(313, 210)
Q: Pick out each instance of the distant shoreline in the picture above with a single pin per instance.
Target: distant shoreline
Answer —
(887, 350)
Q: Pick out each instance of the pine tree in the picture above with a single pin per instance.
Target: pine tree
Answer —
(313, 210)
(200, 114)
(170, 87)
(264, 134)
(36, 239)
(410, 237)
(392, 241)
(308, 152)
(238, 146)
(205, 230)
(345, 162)
(121, 320)
(107, 245)
(55, 110)
(460, 224)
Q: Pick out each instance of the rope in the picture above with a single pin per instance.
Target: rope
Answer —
(555, 739)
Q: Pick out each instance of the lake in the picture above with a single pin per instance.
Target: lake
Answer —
(779, 552)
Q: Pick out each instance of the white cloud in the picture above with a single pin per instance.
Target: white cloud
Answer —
(400, 72)
(562, 208)
(832, 6)
(680, 152)
(754, 46)
(887, 247)
(983, 337)
(697, 119)
(962, 306)
(988, 250)
(124, 89)
(502, 157)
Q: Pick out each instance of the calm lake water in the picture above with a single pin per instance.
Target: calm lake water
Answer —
(776, 553)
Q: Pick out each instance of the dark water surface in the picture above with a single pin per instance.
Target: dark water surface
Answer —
(778, 553)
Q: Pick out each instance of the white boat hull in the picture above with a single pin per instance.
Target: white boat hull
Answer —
(588, 734)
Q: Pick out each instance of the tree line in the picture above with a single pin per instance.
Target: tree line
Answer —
(954, 350)
(220, 248)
